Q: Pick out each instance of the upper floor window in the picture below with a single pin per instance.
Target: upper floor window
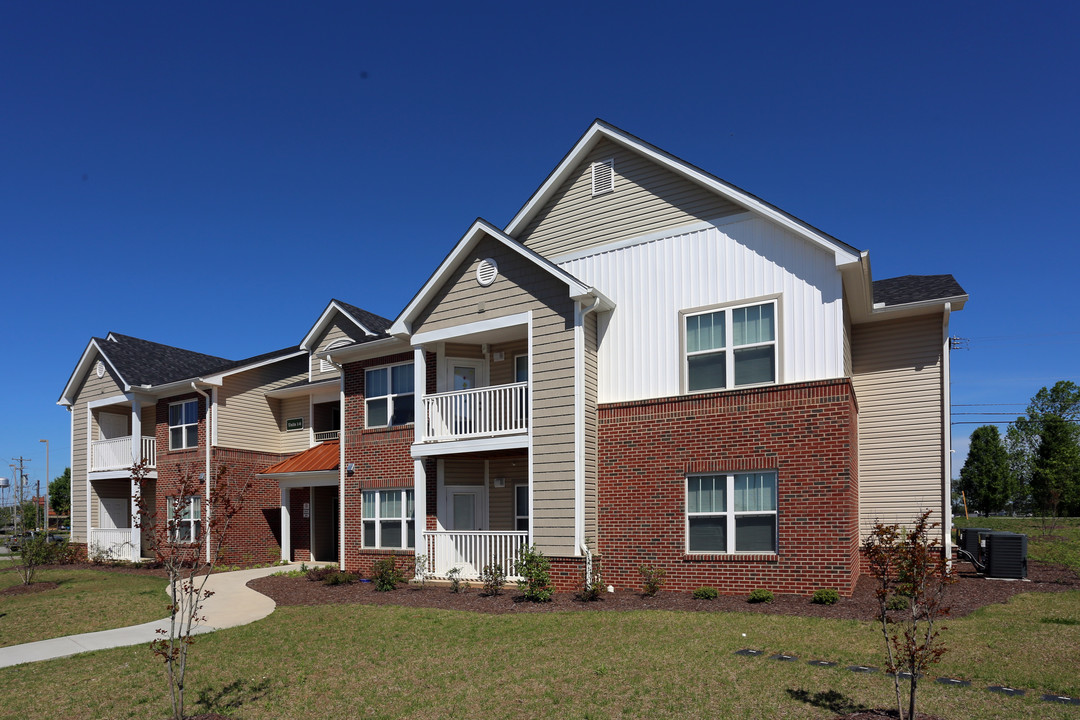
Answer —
(388, 393)
(731, 347)
(183, 424)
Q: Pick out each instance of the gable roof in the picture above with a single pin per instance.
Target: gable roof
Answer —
(599, 130)
(373, 326)
(477, 231)
(916, 288)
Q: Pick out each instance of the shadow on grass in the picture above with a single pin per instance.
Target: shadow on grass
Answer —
(830, 700)
(230, 697)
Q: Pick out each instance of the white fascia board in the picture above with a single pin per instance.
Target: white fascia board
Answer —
(364, 351)
(160, 391)
(324, 320)
(924, 307)
(217, 379)
(507, 442)
(403, 324)
(318, 478)
(114, 400)
(67, 397)
(309, 389)
(600, 130)
(498, 323)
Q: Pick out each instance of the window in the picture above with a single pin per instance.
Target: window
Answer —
(731, 513)
(388, 519)
(731, 347)
(521, 368)
(521, 507)
(184, 425)
(185, 518)
(389, 393)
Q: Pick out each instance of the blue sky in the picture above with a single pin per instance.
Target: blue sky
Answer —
(209, 175)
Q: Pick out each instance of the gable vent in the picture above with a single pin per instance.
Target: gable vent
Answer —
(603, 176)
(486, 272)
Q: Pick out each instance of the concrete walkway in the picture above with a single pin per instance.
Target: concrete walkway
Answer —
(232, 604)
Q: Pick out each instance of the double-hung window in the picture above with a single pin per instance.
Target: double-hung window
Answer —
(388, 519)
(731, 513)
(389, 395)
(183, 424)
(731, 347)
(185, 518)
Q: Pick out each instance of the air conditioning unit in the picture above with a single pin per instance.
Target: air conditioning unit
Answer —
(1006, 555)
(969, 542)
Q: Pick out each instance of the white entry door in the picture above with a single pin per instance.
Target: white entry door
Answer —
(465, 509)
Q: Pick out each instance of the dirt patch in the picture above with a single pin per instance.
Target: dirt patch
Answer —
(31, 589)
(968, 594)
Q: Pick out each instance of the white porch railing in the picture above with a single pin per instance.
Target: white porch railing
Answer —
(479, 412)
(115, 454)
(472, 550)
(325, 435)
(114, 543)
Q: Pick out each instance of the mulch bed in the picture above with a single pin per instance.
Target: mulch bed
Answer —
(969, 593)
(31, 589)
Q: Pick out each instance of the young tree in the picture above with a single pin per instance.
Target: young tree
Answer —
(188, 538)
(60, 493)
(986, 479)
(909, 562)
(1055, 476)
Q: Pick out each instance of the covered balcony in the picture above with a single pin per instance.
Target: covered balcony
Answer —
(471, 551)
(476, 412)
(120, 453)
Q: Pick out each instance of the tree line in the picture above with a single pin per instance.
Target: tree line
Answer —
(1035, 468)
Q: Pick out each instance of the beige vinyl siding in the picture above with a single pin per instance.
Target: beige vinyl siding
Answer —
(463, 470)
(247, 419)
(898, 384)
(340, 328)
(502, 371)
(513, 471)
(520, 287)
(463, 350)
(293, 441)
(92, 388)
(591, 431)
(647, 198)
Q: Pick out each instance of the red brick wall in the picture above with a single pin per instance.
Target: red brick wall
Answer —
(806, 432)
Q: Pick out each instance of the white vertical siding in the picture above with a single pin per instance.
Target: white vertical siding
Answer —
(651, 282)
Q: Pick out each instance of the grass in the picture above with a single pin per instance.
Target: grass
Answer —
(356, 660)
(85, 601)
(1060, 545)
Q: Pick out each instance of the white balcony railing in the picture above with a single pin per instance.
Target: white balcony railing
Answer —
(115, 454)
(479, 412)
(324, 435)
(472, 550)
(113, 544)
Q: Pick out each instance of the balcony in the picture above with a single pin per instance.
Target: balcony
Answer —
(324, 435)
(476, 413)
(472, 551)
(116, 453)
(114, 544)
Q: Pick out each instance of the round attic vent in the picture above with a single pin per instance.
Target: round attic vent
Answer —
(99, 368)
(486, 272)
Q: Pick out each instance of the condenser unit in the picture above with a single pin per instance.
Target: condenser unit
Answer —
(969, 542)
(1006, 555)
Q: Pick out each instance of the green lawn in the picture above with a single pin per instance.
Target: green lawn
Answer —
(366, 661)
(85, 601)
(1059, 545)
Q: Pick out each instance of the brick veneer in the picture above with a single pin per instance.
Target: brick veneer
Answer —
(806, 432)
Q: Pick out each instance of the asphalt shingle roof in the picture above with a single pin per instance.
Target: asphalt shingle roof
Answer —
(916, 288)
(142, 362)
(375, 323)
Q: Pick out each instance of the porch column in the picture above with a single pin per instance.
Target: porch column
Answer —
(420, 507)
(286, 526)
(136, 430)
(136, 540)
(419, 391)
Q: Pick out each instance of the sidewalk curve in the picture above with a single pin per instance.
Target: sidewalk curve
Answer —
(232, 604)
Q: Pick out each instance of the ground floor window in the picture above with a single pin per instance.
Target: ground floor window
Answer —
(388, 519)
(733, 512)
(185, 518)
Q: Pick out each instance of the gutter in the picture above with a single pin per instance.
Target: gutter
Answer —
(579, 422)
(341, 462)
(946, 444)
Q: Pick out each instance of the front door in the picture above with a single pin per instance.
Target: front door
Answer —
(465, 375)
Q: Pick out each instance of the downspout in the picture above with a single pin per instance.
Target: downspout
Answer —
(341, 462)
(946, 445)
(579, 422)
(209, 437)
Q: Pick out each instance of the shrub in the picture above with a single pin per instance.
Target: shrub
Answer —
(456, 583)
(652, 579)
(320, 573)
(387, 574)
(535, 570)
(420, 570)
(760, 595)
(33, 552)
(339, 578)
(897, 602)
(591, 586)
(706, 593)
(494, 578)
(825, 596)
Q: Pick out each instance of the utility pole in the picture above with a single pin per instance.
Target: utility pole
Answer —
(22, 481)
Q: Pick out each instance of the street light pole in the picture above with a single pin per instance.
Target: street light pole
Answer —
(48, 480)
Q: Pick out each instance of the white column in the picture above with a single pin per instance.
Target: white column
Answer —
(136, 430)
(420, 505)
(419, 391)
(286, 527)
(136, 540)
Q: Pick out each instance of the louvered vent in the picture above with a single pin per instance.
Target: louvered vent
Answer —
(603, 176)
(486, 272)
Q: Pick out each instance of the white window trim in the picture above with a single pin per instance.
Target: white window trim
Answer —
(183, 434)
(729, 512)
(379, 520)
(525, 487)
(729, 347)
(391, 397)
(172, 503)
